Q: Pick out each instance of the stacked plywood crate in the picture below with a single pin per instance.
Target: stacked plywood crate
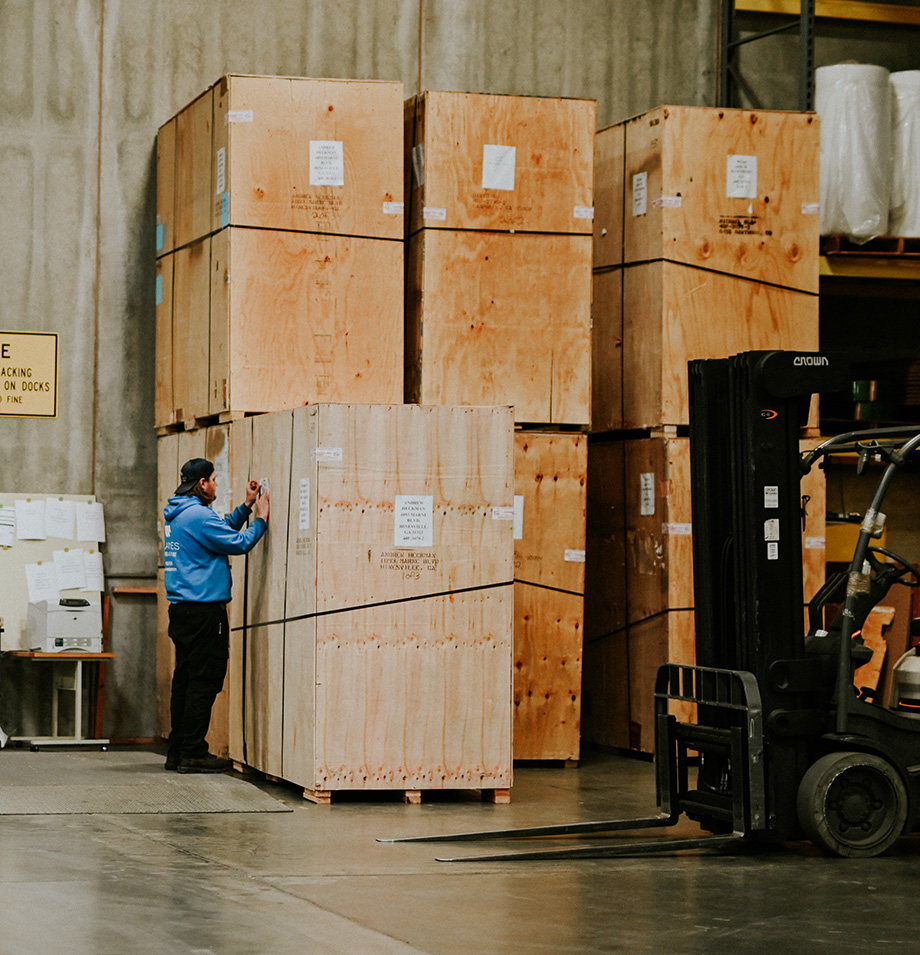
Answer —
(499, 312)
(706, 245)
(280, 248)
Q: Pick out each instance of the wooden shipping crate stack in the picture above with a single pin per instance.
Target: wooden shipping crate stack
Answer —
(376, 648)
(706, 245)
(500, 193)
(280, 245)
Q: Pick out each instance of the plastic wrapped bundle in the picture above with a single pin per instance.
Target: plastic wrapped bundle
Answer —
(904, 217)
(854, 103)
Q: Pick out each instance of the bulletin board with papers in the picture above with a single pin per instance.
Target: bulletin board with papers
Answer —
(49, 548)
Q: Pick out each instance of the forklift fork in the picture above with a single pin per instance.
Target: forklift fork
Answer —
(730, 731)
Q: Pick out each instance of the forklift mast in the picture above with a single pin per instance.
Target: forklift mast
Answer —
(746, 416)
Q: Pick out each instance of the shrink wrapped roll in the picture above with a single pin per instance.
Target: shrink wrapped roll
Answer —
(854, 103)
(904, 216)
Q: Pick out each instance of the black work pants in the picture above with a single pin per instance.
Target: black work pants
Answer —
(201, 635)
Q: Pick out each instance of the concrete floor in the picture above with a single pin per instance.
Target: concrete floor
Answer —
(315, 880)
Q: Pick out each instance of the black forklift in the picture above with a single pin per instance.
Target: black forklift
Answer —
(785, 746)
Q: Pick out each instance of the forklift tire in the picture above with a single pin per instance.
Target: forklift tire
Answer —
(852, 804)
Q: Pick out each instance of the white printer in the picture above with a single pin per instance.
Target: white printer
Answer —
(71, 623)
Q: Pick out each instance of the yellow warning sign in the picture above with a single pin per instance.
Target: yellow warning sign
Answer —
(28, 374)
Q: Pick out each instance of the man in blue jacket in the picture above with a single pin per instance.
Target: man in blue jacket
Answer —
(198, 544)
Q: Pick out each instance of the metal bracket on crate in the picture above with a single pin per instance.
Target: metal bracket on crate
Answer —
(725, 696)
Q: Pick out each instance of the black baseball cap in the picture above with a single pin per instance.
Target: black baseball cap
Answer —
(192, 472)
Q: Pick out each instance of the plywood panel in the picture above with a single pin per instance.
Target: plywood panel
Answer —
(667, 638)
(609, 158)
(166, 188)
(312, 155)
(191, 345)
(193, 170)
(674, 313)
(298, 318)
(605, 691)
(731, 190)
(549, 558)
(607, 351)
(501, 319)
(164, 402)
(503, 162)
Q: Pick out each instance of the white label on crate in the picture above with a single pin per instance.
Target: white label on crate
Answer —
(677, 530)
(498, 166)
(771, 529)
(418, 164)
(221, 169)
(304, 511)
(327, 162)
(646, 494)
(667, 202)
(584, 212)
(238, 116)
(264, 487)
(815, 543)
(429, 212)
(640, 194)
(811, 208)
(414, 520)
(741, 177)
(772, 551)
(575, 556)
(770, 495)
(327, 454)
(518, 517)
(394, 208)
(502, 513)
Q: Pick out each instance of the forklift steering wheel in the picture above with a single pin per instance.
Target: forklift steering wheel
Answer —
(905, 565)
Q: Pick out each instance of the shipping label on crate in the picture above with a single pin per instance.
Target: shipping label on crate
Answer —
(327, 163)
(640, 193)
(741, 177)
(498, 167)
(414, 520)
(409, 564)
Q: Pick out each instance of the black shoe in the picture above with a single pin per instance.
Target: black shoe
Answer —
(204, 764)
(172, 762)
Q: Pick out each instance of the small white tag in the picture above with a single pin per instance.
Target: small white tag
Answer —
(815, 543)
(413, 520)
(221, 169)
(677, 530)
(640, 194)
(668, 202)
(431, 213)
(327, 162)
(418, 164)
(741, 177)
(518, 517)
(575, 556)
(584, 212)
(771, 529)
(772, 551)
(770, 496)
(238, 116)
(811, 208)
(646, 494)
(498, 167)
(503, 513)
(394, 208)
(327, 454)
(304, 515)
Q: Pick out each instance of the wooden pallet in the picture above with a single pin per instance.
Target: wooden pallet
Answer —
(884, 245)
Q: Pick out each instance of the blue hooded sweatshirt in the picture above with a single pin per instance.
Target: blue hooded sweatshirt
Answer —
(198, 543)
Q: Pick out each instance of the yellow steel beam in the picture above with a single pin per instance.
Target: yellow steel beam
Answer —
(838, 10)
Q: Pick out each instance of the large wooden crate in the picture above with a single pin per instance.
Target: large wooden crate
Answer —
(486, 161)
(550, 473)
(735, 191)
(166, 188)
(379, 605)
(495, 318)
(192, 192)
(312, 155)
(263, 320)
(670, 314)
(609, 157)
